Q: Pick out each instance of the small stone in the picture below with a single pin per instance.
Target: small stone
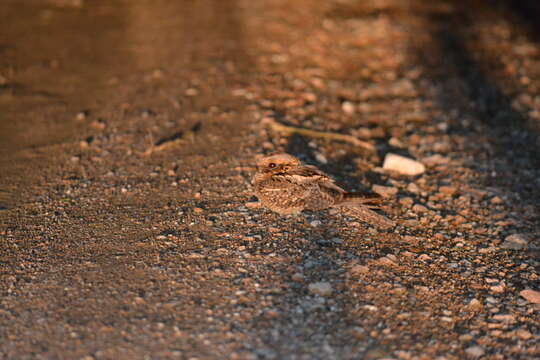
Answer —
(447, 190)
(474, 305)
(420, 209)
(424, 257)
(406, 201)
(320, 288)
(392, 257)
(253, 205)
(475, 351)
(385, 261)
(138, 300)
(531, 296)
(98, 124)
(271, 314)
(298, 277)
(507, 318)
(385, 191)
(348, 107)
(309, 97)
(359, 269)
(498, 289)
(403, 165)
(81, 115)
(410, 223)
(523, 334)
(435, 160)
(515, 242)
(412, 187)
(496, 200)
(321, 158)
(395, 142)
(191, 92)
(358, 333)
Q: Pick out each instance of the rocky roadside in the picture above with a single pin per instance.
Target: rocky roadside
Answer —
(132, 248)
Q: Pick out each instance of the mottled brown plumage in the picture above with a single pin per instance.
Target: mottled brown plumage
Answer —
(284, 185)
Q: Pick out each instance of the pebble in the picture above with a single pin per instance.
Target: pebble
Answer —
(359, 269)
(253, 205)
(417, 208)
(447, 190)
(435, 160)
(424, 257)
(406, 201)
(385, 191)
(348, 107)
(321, 158)
(191, 92)
(475, 351)
(320, 288)
(531, 296)
(81, 115)
(475, 305)
(396, 143)
(498, 289)
(315, 223)
(412, 187)
(385, 261)
(507, 318)
(98, 124)
(496, 200)
(403, 165)
(523, 334)
(271, 314)
(515, 242)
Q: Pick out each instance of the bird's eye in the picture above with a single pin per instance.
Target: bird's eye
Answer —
(272, 165)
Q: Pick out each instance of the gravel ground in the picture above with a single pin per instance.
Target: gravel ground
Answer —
(127, 145)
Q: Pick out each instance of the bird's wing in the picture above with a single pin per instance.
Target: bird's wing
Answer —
(309, 177)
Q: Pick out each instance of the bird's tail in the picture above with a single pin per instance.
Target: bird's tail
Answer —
(370, 200)
(358, 205)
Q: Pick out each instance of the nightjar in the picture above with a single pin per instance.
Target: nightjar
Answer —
(284, 185)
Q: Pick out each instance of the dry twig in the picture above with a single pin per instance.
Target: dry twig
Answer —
(290, 130)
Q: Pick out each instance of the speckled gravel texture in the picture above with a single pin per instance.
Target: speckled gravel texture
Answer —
(126, 230)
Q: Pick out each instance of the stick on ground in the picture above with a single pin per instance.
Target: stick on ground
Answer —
(290, 130)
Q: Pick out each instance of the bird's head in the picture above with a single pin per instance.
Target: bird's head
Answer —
(277, 163)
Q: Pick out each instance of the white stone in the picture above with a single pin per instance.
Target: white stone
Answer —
(515, 242)
(348, 107)
(320, 288)
(403, 165)
(475, 351)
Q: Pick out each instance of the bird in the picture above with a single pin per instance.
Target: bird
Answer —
(283, 184)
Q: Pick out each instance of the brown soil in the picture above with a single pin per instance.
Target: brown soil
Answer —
(128, 133)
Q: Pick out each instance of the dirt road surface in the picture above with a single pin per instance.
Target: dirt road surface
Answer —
(128, 131)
